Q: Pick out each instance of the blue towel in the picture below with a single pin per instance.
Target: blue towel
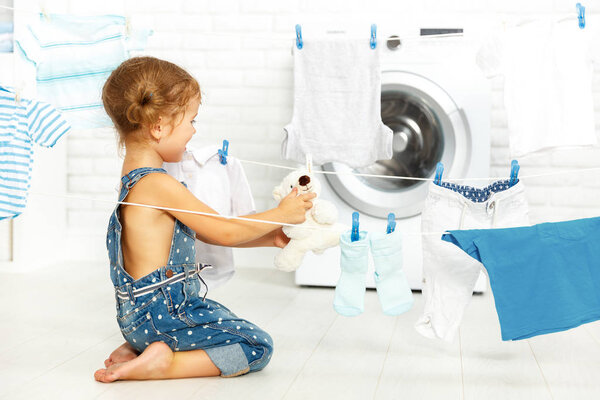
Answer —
(545, 278)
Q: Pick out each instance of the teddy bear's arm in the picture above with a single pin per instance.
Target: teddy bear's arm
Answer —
(324, 212)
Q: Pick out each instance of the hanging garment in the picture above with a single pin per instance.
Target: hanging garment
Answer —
(74, 55)
(349, 296)
(449, 275)
(6, 37)
(545, 278)
(225, 189)
(23, 122)
(393, 290)
(337, 105)
(547, 69)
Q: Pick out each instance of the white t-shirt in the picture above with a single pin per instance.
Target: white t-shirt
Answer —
(225, 189)
(547, 69)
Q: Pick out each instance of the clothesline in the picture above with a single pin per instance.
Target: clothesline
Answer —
(271, 37)
(345, 226)
(564, 16)
(423, 179)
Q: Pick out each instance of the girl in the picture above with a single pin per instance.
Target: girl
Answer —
(171, 329)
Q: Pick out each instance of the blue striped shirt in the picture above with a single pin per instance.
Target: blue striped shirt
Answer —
(22, 124)
(73, 56)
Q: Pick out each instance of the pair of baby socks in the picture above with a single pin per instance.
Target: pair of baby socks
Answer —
(393, 291)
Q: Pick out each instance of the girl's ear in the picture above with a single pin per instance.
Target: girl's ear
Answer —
(156, 130)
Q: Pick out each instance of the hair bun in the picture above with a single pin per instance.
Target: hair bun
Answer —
(146, 99)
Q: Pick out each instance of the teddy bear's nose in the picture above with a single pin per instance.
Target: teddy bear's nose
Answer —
(304, 180)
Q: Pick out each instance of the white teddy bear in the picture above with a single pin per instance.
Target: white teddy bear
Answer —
(323, 214)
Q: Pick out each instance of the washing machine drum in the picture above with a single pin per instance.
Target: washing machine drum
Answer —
(428, 127)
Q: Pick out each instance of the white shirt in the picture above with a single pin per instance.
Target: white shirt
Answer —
(547, 69)
(223, 188)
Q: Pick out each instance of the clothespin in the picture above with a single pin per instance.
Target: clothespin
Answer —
(18, 88)
(44, 13)
(354, 236)
(299, 43)
(439, 170)
(391, 223)
(580, 15)
(514, 172)
(373, 36)
(128, 26)
(223, 153)
(309, 163)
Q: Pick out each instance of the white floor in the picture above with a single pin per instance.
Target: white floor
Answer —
(57, 327)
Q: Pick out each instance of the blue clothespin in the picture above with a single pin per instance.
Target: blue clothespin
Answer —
(354, 236)
(299, 43)
(514, 172)
(581, 15)
(373, 36)
(439, 170)
(223, 153)
(391, 223)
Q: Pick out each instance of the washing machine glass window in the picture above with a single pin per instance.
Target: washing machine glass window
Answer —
(427, 128)
(418, 142)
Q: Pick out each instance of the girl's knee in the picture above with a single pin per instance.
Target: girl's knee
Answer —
(261, 353)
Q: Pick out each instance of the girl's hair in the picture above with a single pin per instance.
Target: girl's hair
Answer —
(141, 89)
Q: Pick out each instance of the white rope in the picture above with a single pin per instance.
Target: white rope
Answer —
(286, 38)
(293, 168)
(425, 179)
(346, 227)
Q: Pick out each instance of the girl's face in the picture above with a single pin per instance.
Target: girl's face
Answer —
(174, 138)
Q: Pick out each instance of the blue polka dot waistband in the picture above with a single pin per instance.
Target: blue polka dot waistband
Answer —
(478, 195)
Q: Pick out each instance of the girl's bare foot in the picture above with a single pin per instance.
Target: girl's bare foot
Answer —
(121, 354)
(151, 364)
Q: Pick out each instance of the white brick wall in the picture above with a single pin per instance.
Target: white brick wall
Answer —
(247, 85)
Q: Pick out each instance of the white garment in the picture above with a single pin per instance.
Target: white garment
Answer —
(337, 105)
(225, 189)
(450, 274)
(547, 69)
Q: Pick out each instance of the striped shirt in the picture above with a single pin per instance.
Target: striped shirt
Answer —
(73, 56)
(22, 124)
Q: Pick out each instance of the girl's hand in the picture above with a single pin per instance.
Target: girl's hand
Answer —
(294, 207)
(280, 239)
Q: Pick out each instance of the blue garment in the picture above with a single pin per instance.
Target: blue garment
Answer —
(545, 278)
(6, 37)
(169, 304)
(23, 123)
(74, 55)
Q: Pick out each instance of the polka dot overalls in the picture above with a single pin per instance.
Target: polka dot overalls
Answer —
(170, 304)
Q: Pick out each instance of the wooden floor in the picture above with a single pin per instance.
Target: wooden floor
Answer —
(58, 326)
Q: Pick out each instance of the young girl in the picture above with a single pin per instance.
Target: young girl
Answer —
(171, 329)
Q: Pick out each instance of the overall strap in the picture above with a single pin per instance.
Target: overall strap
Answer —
(133, 177)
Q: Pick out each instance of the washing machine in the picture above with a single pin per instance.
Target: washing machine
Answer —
(437, 103)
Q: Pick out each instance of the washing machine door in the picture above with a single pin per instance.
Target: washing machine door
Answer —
(428, 127)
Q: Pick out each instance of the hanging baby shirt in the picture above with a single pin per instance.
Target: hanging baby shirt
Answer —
(337, 105)
(23, 122)
(449, 275)
(545, 278)
(225, 189)
(74, 55)
(547, 69)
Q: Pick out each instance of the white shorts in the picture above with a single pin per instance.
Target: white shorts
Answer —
(449, 274)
